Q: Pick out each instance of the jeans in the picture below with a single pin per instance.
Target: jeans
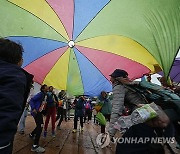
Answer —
(22, 120)
(39, 126)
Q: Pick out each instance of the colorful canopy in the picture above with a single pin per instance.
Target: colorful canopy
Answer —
(175, 71)
(75, 44)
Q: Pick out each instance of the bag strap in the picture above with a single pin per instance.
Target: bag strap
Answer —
(133, 89)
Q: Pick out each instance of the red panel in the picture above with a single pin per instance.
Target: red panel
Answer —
(41, 67)
(65, 11)
(108, 62)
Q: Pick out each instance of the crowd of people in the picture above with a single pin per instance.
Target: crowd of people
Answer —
(57, 107)
(16, 85)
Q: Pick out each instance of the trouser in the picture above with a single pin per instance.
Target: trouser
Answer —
(68, 114)
(88, 113)
(142, 131)
(95, 121)
(76, 120)
(22, 120)
(8, 149)
(60, 115)
(107, 117)
(39, 126)
(65, 114)
(50, 113)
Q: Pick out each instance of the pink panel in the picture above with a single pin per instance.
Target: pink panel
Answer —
(41, 67)
(108, 62)
(65, 11)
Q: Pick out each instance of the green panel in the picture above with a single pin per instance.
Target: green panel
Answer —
(15, 21)
(166, 35)
(155, 24)
(74, 82)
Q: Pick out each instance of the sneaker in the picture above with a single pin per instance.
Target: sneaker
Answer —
(74, 130)
(31, 136)
(82, 129)
(37, 149)
(21, 132)
(45, 133)
(53, 134)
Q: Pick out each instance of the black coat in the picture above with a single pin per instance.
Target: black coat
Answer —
(79, 108)
(13, 92)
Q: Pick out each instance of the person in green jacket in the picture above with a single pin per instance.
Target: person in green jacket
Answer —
(106, 108)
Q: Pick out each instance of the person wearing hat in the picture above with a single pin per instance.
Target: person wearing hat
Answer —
(123, 96)
(117, 78)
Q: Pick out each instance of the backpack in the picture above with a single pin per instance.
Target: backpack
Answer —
(165, 98)
(87, 105)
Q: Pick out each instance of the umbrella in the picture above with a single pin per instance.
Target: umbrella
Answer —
(175, 71)
(75, 44)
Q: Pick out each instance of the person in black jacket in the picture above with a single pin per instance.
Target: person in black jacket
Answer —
(79, 113)
(14, 84)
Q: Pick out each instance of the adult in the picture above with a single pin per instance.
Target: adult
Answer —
(14, 90)
(60, 109)
(122, 95)
(25, 112)
(106, 108)
(51, 102)
(79, 113)
(88, 110)
(37, 104)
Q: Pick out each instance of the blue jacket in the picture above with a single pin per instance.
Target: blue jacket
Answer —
(12, 90)
(36, 101)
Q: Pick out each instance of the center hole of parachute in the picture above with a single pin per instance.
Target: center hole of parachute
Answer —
(71, 44)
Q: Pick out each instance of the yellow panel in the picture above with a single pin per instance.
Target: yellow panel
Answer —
(42, 10)
(122, 46)
(57, 77)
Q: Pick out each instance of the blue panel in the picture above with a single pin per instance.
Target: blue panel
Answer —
(93, 81)
(35, 48)
(85, 11)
